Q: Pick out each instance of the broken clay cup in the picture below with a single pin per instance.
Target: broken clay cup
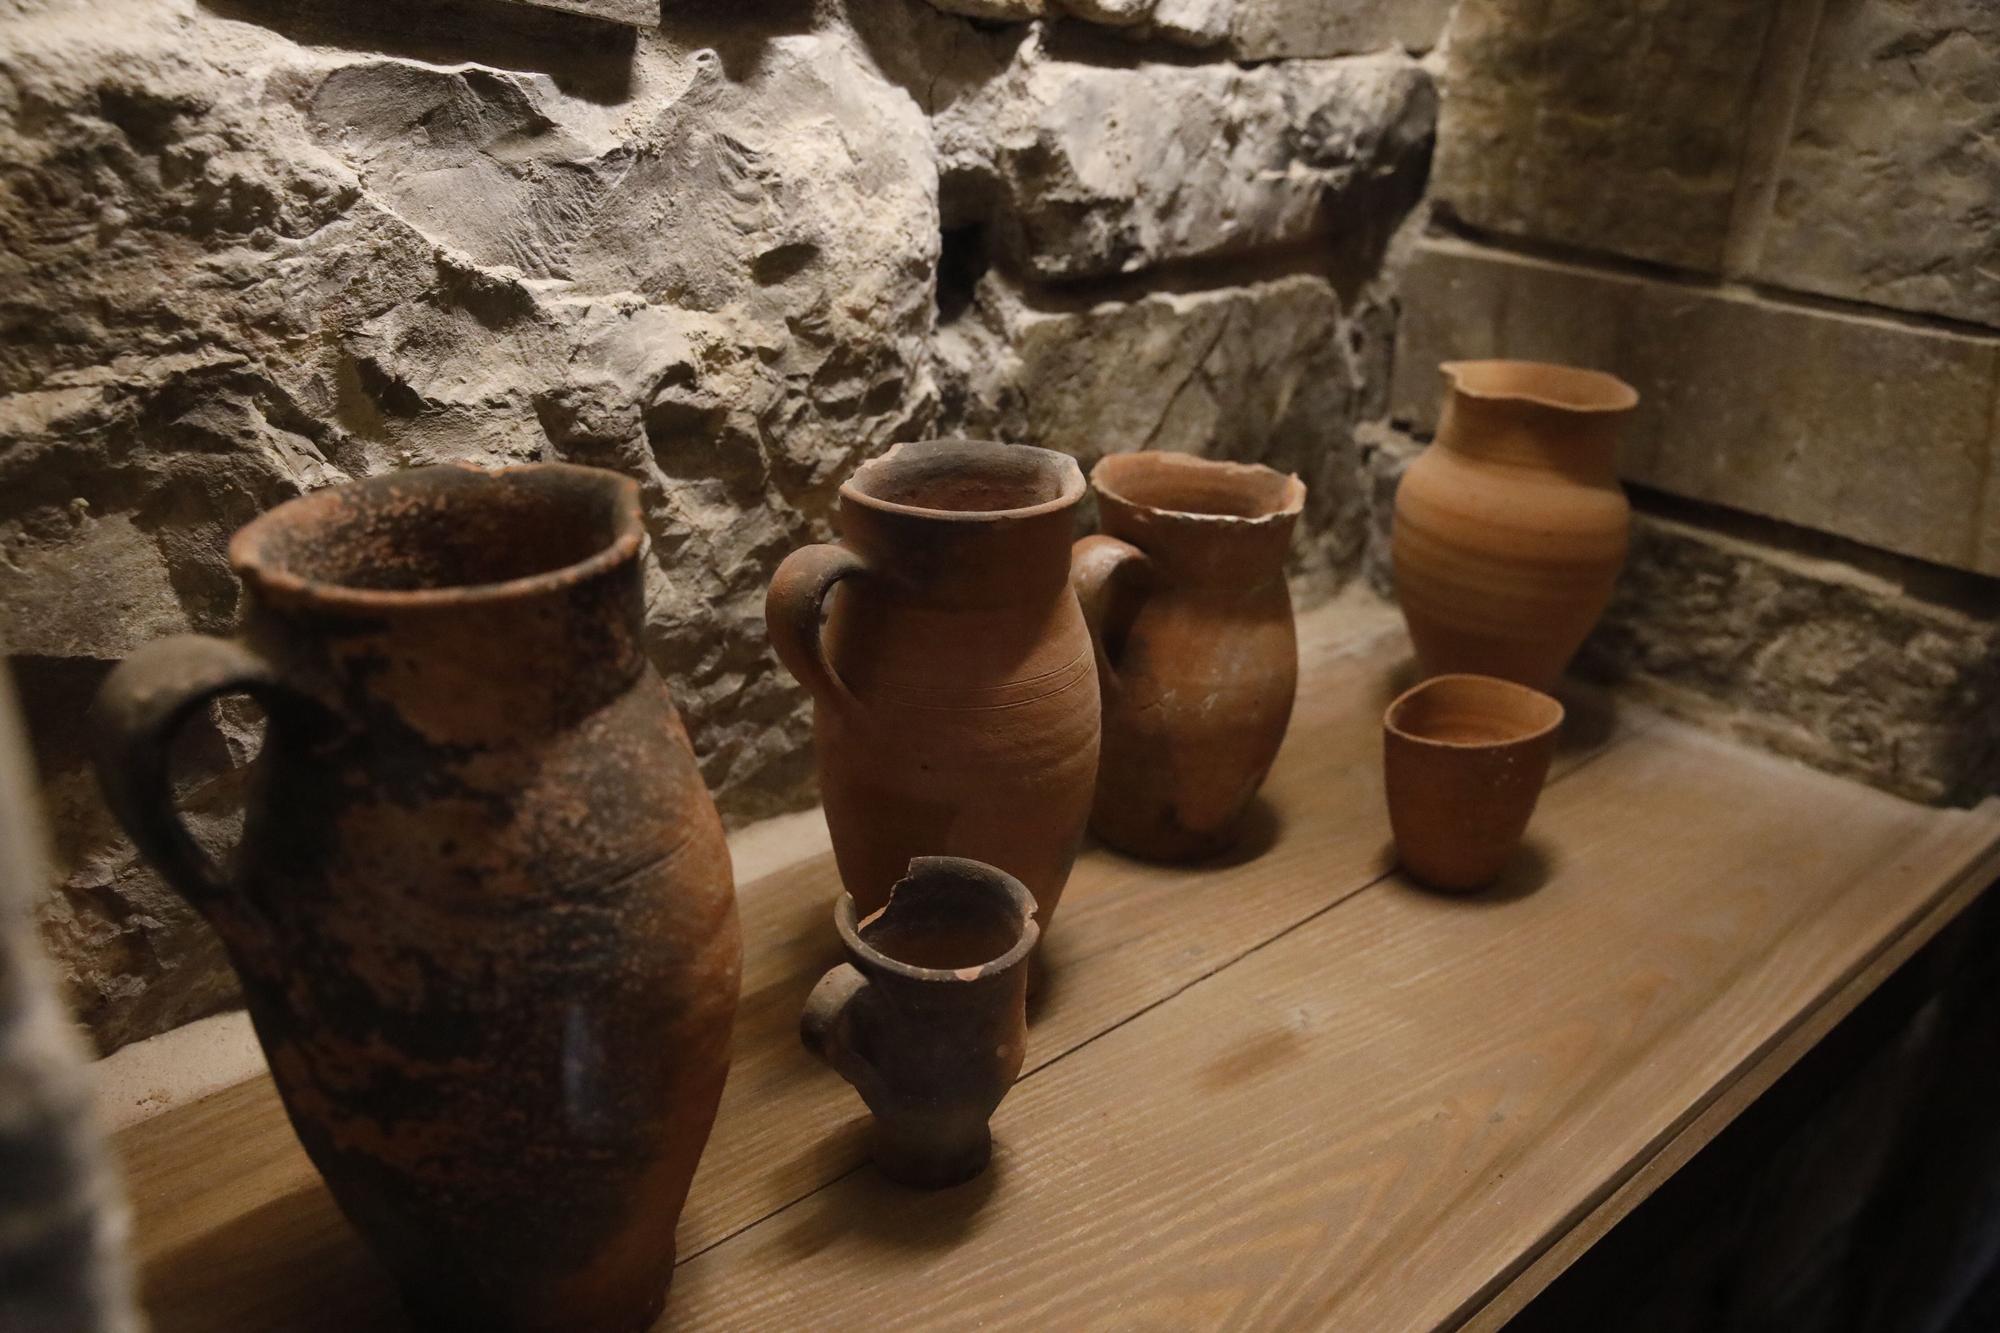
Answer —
(1464, 758)
(928, 1017)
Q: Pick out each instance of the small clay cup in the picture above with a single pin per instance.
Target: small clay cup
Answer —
(928, 1017)
(1464, 758)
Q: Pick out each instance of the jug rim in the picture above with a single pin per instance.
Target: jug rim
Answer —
(849, 923)
(1543, 383)
(1067, 474)
(253, 562)
(1293, 490)
(1537, 713)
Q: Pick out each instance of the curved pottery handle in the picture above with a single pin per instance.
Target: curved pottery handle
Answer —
(792, 613)
(139, 709)
(826, 1027)
(1099, 567)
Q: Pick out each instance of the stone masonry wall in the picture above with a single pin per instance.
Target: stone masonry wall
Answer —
(248, 248)
(1780, 220)
(732, 247)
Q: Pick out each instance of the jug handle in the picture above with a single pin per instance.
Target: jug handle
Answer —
(827, 1029)
(792, 613)
(1099, 566)
(141, 707)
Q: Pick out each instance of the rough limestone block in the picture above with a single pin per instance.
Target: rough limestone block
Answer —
(1889, 190)
(1110, 13)
(1273, 29)
(1197, 23)
(1847, 670)
(631, 13)
(1611, 127)
(1088, 170)
(1861, 427)
(98, 589)
(1879, 675)
(1264, 373)
(239, 267)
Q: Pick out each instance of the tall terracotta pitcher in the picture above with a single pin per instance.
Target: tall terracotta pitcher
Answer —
(955, 696)
(482, 906)
(1510, 529)
(1185, 591)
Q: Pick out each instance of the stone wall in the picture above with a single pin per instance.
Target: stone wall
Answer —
(1780, 220)
(731, 247)
(251, 247)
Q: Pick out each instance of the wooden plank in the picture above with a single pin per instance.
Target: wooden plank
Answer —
(1737, 1096)
(1129, 936)
(1382, 1117)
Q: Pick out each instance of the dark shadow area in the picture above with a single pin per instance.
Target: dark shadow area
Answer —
(1393, 683)
(1590, 716)
(894, 1217)
(963, 259)
(1365, 220)
(739, 31)
(1532, 865)
(585, 57)
(934, 56)
(1046, 971)
(1094, 44)
(1263, 824)
(291, 1264)
(1859, 1194)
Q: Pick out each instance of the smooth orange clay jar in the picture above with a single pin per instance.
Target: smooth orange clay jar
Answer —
(1464, 759)
(1198, 660)
(1510, 528)
(955, 694)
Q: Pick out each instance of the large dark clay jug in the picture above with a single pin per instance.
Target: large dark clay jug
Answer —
(482, 907)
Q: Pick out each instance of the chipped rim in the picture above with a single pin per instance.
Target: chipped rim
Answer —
(849, 924)
(1504, 686)
(1073, 485)
(253, 566)
(1295, 489)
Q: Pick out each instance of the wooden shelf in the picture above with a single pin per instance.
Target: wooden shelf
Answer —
(1291, 1090)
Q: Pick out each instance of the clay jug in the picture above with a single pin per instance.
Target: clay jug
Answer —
(927, 1018)
(1185, 594)
(1510, 529)
(955, 696)
(482, 907)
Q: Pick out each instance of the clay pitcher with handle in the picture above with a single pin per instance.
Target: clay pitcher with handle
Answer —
(1510, 529)
(955, 694)
(1185, 593)
(482, 907)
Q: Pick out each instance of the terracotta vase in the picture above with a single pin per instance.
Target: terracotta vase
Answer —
(1198, 661)
(928, 1017)
(1464, 759)
(482, 907)
(955, 696)
(1510, 529)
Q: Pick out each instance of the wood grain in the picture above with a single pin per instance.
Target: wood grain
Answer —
(1370, 994)
(1378, 1119)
